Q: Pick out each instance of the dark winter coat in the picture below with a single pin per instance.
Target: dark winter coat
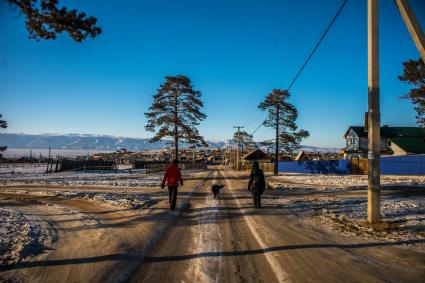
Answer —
(257, 182)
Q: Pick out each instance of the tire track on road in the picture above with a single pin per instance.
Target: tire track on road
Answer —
(280, 274)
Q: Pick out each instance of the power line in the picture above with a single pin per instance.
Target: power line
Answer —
(268, 60)
(318, 43)
(309, 57)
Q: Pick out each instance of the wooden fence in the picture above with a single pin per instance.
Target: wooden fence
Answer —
(266, 167)
(359, 166)
(154, 167)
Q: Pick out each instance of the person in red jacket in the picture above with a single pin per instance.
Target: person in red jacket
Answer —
(173, 177)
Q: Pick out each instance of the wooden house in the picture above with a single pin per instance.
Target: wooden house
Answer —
(394, 141)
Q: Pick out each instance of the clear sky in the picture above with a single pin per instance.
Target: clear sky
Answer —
(235, 52)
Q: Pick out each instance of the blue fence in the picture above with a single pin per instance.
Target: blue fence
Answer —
(403, 165)
(390, 165)
(316, 167)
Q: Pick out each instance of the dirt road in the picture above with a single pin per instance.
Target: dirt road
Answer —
(205, 240)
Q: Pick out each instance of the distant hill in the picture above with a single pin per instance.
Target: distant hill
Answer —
(101, 143)
(308, 148)
(85, 142)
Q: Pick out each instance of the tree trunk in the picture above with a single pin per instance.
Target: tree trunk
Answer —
(276, 153)
(176, 142)
(176, 133)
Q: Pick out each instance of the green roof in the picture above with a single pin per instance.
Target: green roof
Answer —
(410, 144)
(390, 132)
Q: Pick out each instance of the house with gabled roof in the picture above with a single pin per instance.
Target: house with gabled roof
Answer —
(256, 155)
(394, 141)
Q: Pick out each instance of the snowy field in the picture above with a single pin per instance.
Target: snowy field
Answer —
(35, 175)
(341, 204)
(403, 218)
(22, 168)
(341, 181)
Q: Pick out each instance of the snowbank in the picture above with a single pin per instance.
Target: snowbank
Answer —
(403, 219)
(133, 201)
(130, 201)
(20, 237)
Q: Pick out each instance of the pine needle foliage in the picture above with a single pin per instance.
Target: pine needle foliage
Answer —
(44, 20)
(414, 74)
(283, 115)
(176, 112)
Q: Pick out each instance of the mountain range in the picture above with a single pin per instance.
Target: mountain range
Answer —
(100, 142)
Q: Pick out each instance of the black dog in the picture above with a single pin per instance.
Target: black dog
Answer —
(216, 189)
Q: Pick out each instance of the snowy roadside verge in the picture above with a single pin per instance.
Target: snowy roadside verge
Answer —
(20, 236)
(403, 219)
(132, 201)
(338, 204)
(24, 235)
(326, 182)
(129, 201)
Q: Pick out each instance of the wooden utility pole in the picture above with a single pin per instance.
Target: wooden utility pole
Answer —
(373, 117)
(412, 25)
(237, 151)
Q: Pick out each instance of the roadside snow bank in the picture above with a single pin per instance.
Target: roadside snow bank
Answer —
(20, 237)
(130, 201)
(403, 219)
(133, 201)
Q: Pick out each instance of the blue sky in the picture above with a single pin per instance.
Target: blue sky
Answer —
(235, 52)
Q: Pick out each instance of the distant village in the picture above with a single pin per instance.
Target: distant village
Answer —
(395, 141)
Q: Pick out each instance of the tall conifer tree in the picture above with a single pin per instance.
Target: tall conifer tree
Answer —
(176, 112)
(282, 116)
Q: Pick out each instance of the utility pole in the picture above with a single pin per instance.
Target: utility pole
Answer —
(237, 151)
(412, 25)
(373, 116)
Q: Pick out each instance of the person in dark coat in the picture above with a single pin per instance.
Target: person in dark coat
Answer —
(257, 183)
(172, 177)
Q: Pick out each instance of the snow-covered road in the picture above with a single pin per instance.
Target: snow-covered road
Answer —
(100, 234)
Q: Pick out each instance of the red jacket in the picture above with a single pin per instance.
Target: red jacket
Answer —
(172, 176)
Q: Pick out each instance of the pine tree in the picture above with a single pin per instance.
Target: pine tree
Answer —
(3, 124)
(282, 116)
(176, 112)
(246, 140)
(44, 20)
(414, 74)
